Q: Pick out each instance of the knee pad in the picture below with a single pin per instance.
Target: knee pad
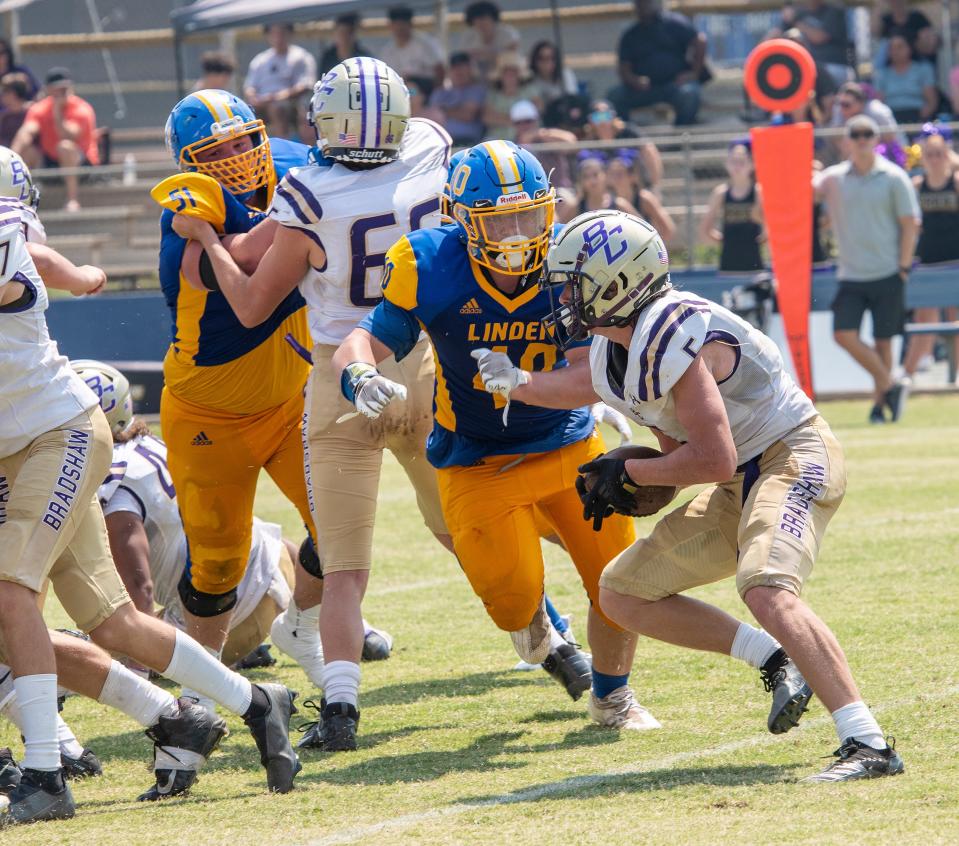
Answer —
(309, 560)
(201, 604)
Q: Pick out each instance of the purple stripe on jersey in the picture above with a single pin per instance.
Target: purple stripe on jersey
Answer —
(379, 104)
(359, 65)
(726, 338)
(293, 203)
(8, 205)
(307, 195)
(664, 343)
(10, 218)
(644, 355)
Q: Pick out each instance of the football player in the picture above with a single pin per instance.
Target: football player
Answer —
(232, 402)
(146, 534)
(726, 412)
(467, 285)
(379, 176)
(55, 450)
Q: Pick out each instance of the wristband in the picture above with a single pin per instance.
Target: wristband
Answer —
(353, 376)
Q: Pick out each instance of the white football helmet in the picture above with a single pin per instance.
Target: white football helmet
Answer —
(111, 388)
(614, 264)
(359, 111)
(15, 179)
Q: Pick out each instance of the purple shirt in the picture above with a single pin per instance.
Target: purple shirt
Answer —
(463, 131)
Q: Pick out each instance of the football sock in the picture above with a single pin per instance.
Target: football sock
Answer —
(341, 682)
(554, 617)
(855, 720)
(296, 632)
(555, 639)
(604, 684)
(37, 696)
(195, 668)
(202, 700)
(137, 698)
(67, 740)
(754, 646)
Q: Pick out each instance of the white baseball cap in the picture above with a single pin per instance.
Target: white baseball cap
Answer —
(523, 110)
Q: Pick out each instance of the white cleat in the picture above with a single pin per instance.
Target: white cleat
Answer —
(301, 643)
(620, 710)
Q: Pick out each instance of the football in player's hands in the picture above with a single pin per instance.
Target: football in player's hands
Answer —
(646, 500)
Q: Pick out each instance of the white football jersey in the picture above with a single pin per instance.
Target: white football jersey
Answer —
(762, 401)
(38, 389)
(139, 482)
(356, 216)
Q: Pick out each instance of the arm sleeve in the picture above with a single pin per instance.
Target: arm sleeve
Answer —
(904, 193)
(393, 326)
(124, 500)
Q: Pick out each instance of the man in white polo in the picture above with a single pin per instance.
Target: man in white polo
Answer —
(875, 215)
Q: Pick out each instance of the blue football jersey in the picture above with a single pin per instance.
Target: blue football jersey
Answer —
(430, 283)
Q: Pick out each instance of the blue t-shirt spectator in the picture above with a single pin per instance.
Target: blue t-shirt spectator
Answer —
(904, 89)
(461, 102)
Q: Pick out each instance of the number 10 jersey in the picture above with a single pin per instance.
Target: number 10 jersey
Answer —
(356, 216)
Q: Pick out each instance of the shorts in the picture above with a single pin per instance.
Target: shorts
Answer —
(215, 459)
(51, 524)
(493, 511)
(765, 524)
(53, 163)
(884, 298)
(343, 460)
(252, 631)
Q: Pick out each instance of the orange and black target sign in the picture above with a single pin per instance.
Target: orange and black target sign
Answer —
(779, 75)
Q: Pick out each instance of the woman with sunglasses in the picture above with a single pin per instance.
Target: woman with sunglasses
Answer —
(734, 218)
(604, 124)
(548, 82)
(938, 189)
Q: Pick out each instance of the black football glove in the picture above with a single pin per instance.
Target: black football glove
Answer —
(612, 491)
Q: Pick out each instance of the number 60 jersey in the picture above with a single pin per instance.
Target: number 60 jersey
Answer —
(356, 216)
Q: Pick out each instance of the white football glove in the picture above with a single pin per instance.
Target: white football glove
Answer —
(376, 393)
(499, 374)
(605, 414)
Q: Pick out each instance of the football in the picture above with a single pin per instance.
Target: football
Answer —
(649, 499)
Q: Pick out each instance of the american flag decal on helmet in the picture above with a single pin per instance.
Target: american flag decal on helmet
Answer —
(661, 252)
(346, 138)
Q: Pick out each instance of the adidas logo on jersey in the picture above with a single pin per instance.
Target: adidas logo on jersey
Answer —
(201, 440)
(471, 307)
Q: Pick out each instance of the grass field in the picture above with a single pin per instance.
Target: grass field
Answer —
(457, 748)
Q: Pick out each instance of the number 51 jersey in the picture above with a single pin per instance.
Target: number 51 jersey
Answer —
(356, 216)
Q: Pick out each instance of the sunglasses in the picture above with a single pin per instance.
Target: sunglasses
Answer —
(601, 116)
(859, 134)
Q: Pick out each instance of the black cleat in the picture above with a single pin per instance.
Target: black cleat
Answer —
(377, 645)
(86, 766)
(9, 771)
(181, 745)
(856, 761)
(40, 796)
(259, 657)
(271, 731)
(877, 415)
(334, 730)
(570, 668)
(791, 692)
(895, 400)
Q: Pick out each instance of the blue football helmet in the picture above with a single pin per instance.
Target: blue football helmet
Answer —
(446, 196)
(503, 203)
(205, 119)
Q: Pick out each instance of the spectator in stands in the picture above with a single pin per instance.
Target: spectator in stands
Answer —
(15, 100)
(604, 124)
(900, 18)
(661, 60)
(217, 69)
(593, 191)
(824, 27)
(819, 109)
(415, 56)
(8, 64)
(874, 213)
(508, 88)
(623, 174)
(461, 102)
(908, 87)
(734, 217)
(345, 43)
(854, 100)
(938, 188)
(419, 106)
(64, 126)
(527, 130)
(548, 82)
(487, 37)
(277, 80)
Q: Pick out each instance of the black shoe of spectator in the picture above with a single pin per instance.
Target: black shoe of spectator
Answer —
(877, 415)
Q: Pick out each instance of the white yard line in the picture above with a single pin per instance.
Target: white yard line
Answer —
(530, 794)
